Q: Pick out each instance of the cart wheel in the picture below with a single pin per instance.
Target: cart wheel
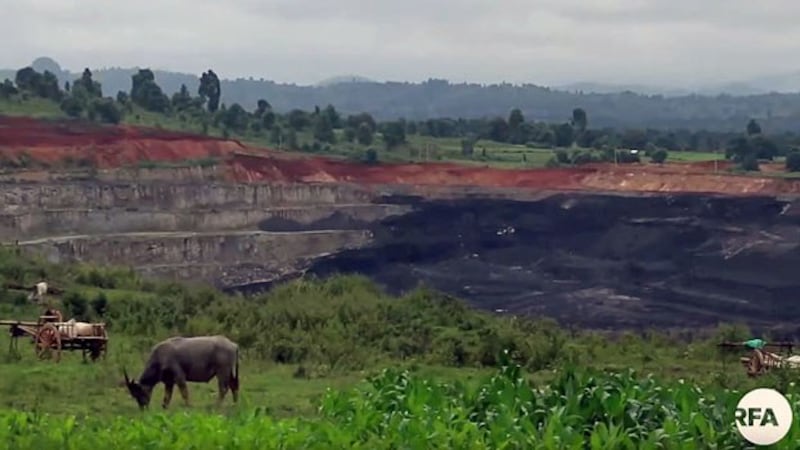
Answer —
(48, 340)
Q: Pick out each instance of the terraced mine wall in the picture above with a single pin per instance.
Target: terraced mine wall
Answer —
(200, 230)
(596, 260)
(224, 258)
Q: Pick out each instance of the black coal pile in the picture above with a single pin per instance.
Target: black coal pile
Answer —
(596, 261)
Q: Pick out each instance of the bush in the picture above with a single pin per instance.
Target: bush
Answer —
(793, 161)
(562, 157)
(659, 156)
(749, 163)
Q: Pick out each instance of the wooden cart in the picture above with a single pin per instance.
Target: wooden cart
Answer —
(51, 335)
(761, 360)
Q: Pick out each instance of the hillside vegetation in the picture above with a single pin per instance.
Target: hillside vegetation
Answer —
(423, 368)
(509, 140)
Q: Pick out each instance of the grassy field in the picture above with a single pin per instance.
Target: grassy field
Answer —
(337, 363)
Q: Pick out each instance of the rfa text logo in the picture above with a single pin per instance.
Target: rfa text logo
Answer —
(764, 416)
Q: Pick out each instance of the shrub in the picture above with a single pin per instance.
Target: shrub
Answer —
(793, 161)
(659, 156)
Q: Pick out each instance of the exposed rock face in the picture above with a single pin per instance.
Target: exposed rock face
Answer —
(198, 231)
(505, 240)
(223, 258)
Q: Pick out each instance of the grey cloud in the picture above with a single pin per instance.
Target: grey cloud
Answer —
(541, 41)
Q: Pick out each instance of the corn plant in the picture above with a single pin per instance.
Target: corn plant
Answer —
(580, 409)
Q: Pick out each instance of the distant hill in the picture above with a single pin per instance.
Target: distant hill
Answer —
(607, 106)
(605, 88)
(343, 79)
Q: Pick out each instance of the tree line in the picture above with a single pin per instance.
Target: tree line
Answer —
(83, 97)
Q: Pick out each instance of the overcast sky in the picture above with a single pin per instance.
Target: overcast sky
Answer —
(552, 42)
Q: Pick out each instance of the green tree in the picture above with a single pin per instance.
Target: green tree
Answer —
(105, 110)
(276, 135)
(323, 129)
(291, 139)
(659, 156)
(793, 161)
(515, 119)
(564, 135)
(357, 119)
(234, 118)
(371, 156)
(72, 106)
(210, 89)
(27, 79)
(7, 89)
(262, 107)
(579, 120)
(298, 119)
(753, 128)
(268, 120)
(182, 100)
(498, 130)
(91, 88)
(349, 134)
(146, 93)
(364, 134)
(394, 134)
(333, 116)
(516, 130)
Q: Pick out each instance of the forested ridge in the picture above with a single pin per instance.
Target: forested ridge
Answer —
(439, 98)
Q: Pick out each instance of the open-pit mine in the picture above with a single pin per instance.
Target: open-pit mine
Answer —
(628, 246)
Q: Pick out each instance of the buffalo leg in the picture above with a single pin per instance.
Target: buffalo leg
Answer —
(184, 391)
(222, 383)
(167, 393)
(234, 385)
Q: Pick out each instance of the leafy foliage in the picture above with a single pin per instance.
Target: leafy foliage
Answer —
(579, 409)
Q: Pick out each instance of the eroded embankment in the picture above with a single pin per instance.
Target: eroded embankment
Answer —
(597, 261)
(24, 141)
(635, 178)
(54, 143)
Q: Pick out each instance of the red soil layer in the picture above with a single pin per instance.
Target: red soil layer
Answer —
(54, 142)
(269, 168)
(632, 178)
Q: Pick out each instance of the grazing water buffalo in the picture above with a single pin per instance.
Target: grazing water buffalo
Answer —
(179, 360)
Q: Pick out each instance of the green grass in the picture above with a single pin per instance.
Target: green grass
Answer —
(314, 365)
(695, 156)
(33, 107)
(581, 408)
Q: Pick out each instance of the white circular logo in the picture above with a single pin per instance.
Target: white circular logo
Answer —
(763, 416)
